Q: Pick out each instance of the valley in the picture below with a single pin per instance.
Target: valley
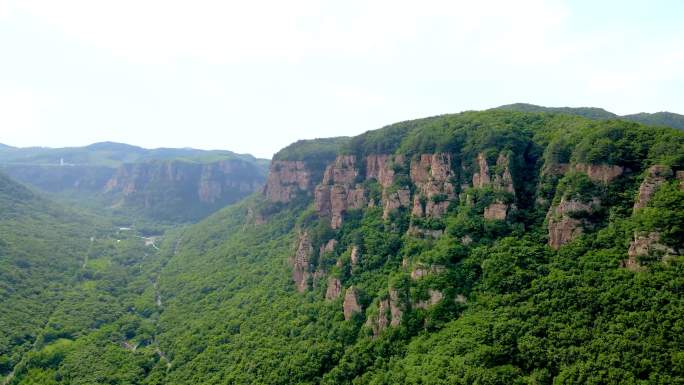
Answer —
(493, 247)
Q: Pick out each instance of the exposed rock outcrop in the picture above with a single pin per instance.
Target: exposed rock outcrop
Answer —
(423, 271)
(286, 179)
(395, 200)
(334, 288)
(501, 179)
(182, 189)
(355, 255)
(431, 173)
(643, 245)
(563, 224)
(301, 262)
(351, 303)
(328, 247)
(600, 172)
(396, 307)
(655, 176)
(424, 233)
(380, 167)
(481, 177)
(390, 313)
(435, 297)
(338, 191)
(496, 211)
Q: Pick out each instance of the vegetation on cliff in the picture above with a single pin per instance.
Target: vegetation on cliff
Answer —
(494, 247)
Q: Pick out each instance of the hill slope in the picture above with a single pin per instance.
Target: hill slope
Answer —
(71, 287)
(489, 247)
(667, 119)
(166, 184)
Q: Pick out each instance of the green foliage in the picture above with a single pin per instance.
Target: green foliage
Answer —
(507, 308)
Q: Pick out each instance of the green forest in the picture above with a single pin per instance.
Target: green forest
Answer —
(508, 246)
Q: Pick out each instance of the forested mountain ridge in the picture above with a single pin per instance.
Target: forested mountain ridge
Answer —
(168, 184)
(494, 247)
(664, 118)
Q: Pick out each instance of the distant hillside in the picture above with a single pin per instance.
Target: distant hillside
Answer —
(170, 184)
(110, 154)
(587, 112)
(668, 119)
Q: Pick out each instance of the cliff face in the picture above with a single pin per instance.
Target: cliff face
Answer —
(478, 192)
(180, 189)
(286, 179)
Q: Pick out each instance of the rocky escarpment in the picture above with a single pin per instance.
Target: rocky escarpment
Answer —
(604, 173)
(424, 185)
(184, 189)
(646, 244)
(339, 192)
(351, 305)
(390, 311)
(565, 220)
(287, 179)
(301, 262)
(434, 181)
(655, 176)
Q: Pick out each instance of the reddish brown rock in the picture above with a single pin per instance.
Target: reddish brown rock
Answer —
(380, 321)
(381, 168)
(431, 173)
(655, 176)
(600, 172)
(334, 288)
(286, 179)
(342, 171)
(555, 169)
(503, 180)
(328, 247)
(435, 297)
(481, 177)
(395, 200)
(396, 307)
(645, 244)
(301, 262)
(337, 193)
(351, 303)
(562, 226)
(496, 211)
(355, 255)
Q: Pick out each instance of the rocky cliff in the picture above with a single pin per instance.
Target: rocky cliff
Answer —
(182, 190)
(477, 192)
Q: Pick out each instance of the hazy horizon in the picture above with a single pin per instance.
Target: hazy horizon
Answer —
(217, 75)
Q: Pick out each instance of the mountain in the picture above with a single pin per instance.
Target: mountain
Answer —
(587, 112)
(667, 119)
(169, 184)
(496, 247)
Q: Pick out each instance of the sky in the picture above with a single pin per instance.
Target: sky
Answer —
(254, 76)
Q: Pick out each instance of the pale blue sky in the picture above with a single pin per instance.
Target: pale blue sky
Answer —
(254, 76)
